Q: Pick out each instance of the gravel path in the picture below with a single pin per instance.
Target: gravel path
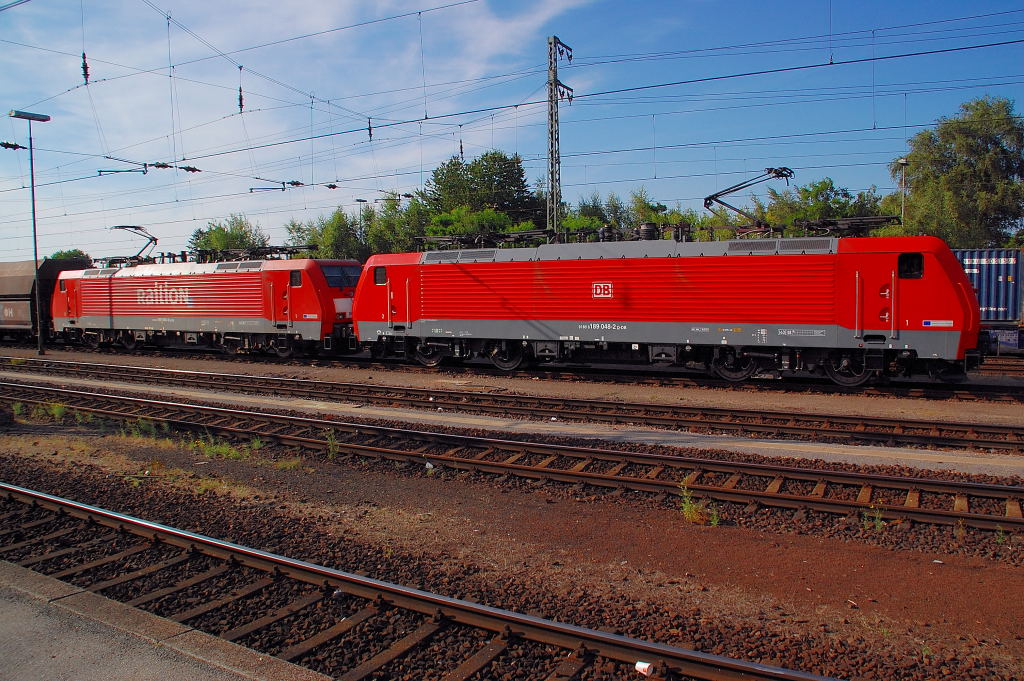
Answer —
(827, 605)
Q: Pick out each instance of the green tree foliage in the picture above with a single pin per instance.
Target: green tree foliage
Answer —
(499, 183)
(965, 178)
(392, 228)
(449, 187)
(616, 211)
(465, 221)
(337, 236)
(642, 209)
(235, 232)
(817, 200)
(593, 207)
(492, 181)
(71, 254)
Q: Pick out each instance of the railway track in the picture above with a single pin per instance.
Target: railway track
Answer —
(883, 498)
(745, 422)
(645, 375)
(350, 626)
(1004, 366)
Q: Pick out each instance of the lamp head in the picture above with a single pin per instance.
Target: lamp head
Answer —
(26, 116)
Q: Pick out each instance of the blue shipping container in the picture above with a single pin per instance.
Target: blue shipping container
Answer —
(995, 274)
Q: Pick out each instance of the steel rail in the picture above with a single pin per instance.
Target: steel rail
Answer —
(738, 421)
(649, 376)
(566, 636)
(1004, 366)
(658, 474)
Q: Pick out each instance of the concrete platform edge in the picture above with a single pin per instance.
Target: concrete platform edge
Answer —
(179, 638)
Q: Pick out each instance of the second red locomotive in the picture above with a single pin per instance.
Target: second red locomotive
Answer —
(279, 306)
(852, 308)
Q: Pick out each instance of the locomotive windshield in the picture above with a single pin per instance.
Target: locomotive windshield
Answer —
(341, 276)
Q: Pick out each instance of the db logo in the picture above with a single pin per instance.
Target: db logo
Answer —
(602, 289)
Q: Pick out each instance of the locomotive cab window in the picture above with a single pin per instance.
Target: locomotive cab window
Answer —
(911, 265)
(341, 276)
(380, 275)
(62, 286)
(296, 278)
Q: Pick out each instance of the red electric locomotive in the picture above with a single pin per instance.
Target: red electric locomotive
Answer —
(281, 306)
(851, 308)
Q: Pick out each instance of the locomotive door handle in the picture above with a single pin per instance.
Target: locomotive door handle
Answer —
(856, 305)
(893, 331)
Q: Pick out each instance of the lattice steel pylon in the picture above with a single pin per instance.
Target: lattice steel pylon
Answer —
(556, 91)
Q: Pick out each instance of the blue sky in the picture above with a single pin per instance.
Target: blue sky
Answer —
(167, 91)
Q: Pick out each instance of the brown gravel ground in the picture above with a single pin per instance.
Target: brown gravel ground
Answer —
(920, 615)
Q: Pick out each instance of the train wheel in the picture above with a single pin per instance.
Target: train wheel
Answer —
(733, 368)
(284, 351)
(129, 343)
(507, 356)
(429, 355)
(847, 369)
(946, 372)
(379, 350)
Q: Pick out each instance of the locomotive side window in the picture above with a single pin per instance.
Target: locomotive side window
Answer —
(296, 278)
(380, 275)
(62, 286)
(911, 265)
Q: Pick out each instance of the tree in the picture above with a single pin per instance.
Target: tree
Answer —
(642, 210)
(493, 181)
(817, 200)
(498, 182)
(464, 221)
(965, 178)
(337, 236)
(392, 229)
(592, 208)
(617, 213)
(234, 233)
(71, 254)
(449, 186)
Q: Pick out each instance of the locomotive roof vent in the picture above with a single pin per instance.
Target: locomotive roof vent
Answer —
(250, 265)
(805, 245)
(753, 246)
(440, 256)
(227, 266)
(483, 255)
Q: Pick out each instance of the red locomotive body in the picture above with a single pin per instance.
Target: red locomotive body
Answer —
(278, 305)
(849, 307)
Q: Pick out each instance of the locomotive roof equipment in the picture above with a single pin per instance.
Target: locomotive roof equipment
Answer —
(768, 174)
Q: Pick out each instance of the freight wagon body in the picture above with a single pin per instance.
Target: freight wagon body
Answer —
(996, 274)
(275, 305)
(849, 307)
(17, 294)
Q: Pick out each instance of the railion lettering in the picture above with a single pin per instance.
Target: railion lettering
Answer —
(162, 294)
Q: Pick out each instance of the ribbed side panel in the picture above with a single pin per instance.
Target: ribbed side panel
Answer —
(221, 295)
(752, 289)
(996, 275)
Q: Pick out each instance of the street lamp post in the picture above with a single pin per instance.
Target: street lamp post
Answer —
(903, 190)
(38, 118)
